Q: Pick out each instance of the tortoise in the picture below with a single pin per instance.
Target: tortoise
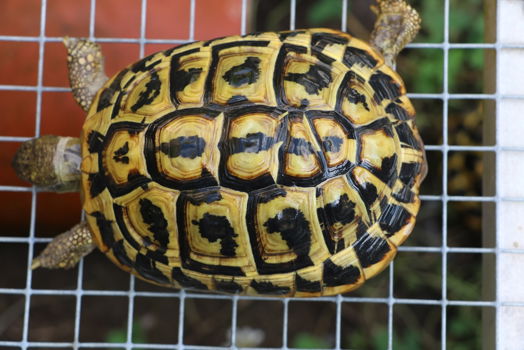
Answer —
(277, 163)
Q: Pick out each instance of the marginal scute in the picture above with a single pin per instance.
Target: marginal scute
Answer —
(271, 164)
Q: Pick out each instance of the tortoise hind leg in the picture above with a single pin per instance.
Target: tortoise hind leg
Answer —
(86, 69)
(66, 249)
(396, 25)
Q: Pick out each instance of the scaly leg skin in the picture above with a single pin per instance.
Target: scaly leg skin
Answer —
(66, 249)
(86, 69)
(396, 25)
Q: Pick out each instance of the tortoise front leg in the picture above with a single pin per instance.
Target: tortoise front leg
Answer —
(86, 69)
(66, 249)
(396, 25)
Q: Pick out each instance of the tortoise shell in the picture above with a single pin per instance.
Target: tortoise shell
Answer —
(268, 164)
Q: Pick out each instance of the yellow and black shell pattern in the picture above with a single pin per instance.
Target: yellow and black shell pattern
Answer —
(282, 164)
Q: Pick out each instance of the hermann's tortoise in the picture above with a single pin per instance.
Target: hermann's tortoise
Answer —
(268, 164)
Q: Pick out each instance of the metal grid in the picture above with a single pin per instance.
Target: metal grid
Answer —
(182, 295)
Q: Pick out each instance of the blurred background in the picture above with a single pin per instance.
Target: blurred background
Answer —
(464, 121)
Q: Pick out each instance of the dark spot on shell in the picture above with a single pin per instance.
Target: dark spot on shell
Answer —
(186, 147)
(384, 86)
(152, 90)
(230, 287)
(245, 73)
(335, 275)
(304, 285)
(252, 143)
(342, 210)
(182, 78)
(315, 79)
(294, 229)
(153, 216)
(393, 218)
(353, 55)
(214, 228)
(370, 250)
(332, 143)
(120, 154)
(266, 287)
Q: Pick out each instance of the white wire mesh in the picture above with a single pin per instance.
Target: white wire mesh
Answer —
(390, 301)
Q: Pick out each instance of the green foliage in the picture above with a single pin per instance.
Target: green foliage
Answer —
(309, 341)
(119, 335)
(323, 11)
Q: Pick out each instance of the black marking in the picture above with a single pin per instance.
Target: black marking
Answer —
(304, 285)
(182, 146)
(186, 281)
(370, 250)
(105, 228)
(152, 90)
(146, 267)
(97, 184)
(341, 210)
(107, 94)
(121, 255)
(182, 78)
(230, 287)
(120, 154)
(397, 111)
(409, 172)
(353, 55)
(252, 143)
(368, 192)
(117, 105)
(95, 141)
(355, 97)
(266, 287)
(315, 79)
(384, 86)
(284, 35)
(405, 135)
(405, 195)
(237, 99)
(393, 218)
(103, 179)
(387, 171)
(335, 275)
(158, 255)
(153, 216)
(214, 228)
(245, 73)
(362, 228)
(142, 66)
(321, 40)
(294, 229)
(300, 147)
(332, 143)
